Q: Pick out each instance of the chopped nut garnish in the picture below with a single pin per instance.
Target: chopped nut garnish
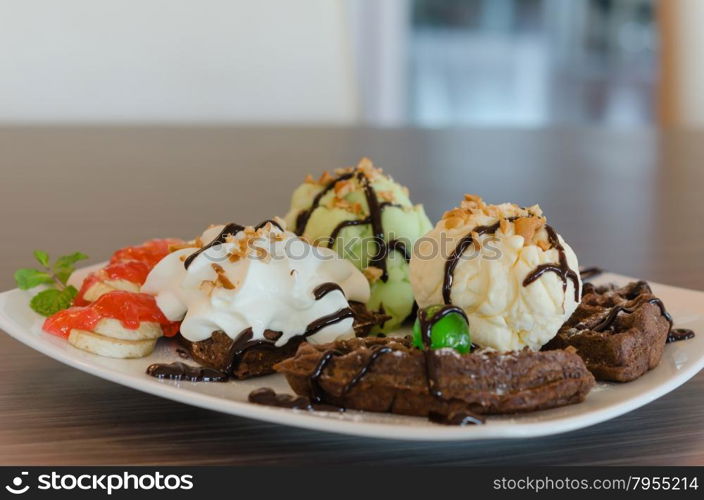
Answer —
(387, 196)
(453, 222)
(372, 273)
(342, 203)
(325, 178)
(368, 169)
(455, 212)
(527, 227)
(222, 279)
(181, 246)
(310, 180)
(473, 197)
(343, 188)
(504, 225)
(207, 286)
(544, 245)
(343, 170)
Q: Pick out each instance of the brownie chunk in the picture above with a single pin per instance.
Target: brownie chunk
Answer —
(619, 332)
(389, 375)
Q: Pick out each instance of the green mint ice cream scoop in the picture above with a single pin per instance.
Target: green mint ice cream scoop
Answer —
(367, 218)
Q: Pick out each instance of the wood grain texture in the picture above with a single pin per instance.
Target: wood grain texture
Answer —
(627, 201)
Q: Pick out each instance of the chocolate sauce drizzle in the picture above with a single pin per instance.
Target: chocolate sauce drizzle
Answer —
(677, 334)
(634, 296)
(182, 371)
(268, 221)
(322, 290)
(383, 248)
(463, 417)
(229, 229)
(562, 269)
(587, 273)
(630, 308)
(268, 397)
(426, 326)
(457, 253)
(460, 417)
(317, 392)
(304, 216)
(244, 342)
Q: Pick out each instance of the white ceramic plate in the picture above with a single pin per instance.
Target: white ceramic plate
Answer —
(680, 362)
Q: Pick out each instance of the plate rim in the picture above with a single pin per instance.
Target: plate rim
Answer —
(311, 421)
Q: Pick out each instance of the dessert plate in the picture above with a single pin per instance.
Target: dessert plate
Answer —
(680, 362)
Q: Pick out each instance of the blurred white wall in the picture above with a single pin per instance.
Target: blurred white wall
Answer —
(108, 61)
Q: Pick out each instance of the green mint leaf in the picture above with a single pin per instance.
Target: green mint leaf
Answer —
(63, 274)
(42, 257)
(29, 278)
(52, 301)
(67, 261)
(64, 266)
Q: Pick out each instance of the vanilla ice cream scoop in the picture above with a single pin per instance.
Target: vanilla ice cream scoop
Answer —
(263, 280)
(513, 275)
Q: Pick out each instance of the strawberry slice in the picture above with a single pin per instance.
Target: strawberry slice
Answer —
(127, 307)
(150, 252)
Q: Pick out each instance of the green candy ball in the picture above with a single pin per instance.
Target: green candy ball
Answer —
(451, 331)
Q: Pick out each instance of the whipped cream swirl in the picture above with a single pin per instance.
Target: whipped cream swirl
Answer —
(262, 278)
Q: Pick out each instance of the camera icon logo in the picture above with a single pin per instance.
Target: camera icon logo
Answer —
(16, 488)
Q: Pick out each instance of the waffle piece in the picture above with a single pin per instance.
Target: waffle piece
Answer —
(619, 332)
(388, 375)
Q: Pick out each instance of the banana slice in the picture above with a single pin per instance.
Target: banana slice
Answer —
(110, 347)
(100, 288)
(113, 328)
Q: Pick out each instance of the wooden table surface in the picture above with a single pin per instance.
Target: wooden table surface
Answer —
(629, 201)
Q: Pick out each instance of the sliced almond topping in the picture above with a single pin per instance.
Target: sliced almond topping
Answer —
(387, 195)
(368, 169)
(343, 170)
(504, 225)
(343, 188)
(207, 286)
(357, 208)
(544, 245)
(492, 211)
(473, 197)
(455, 212)
(181, 246)
(325, 178)
(527, 227)
(372, 273)
(453, 222)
